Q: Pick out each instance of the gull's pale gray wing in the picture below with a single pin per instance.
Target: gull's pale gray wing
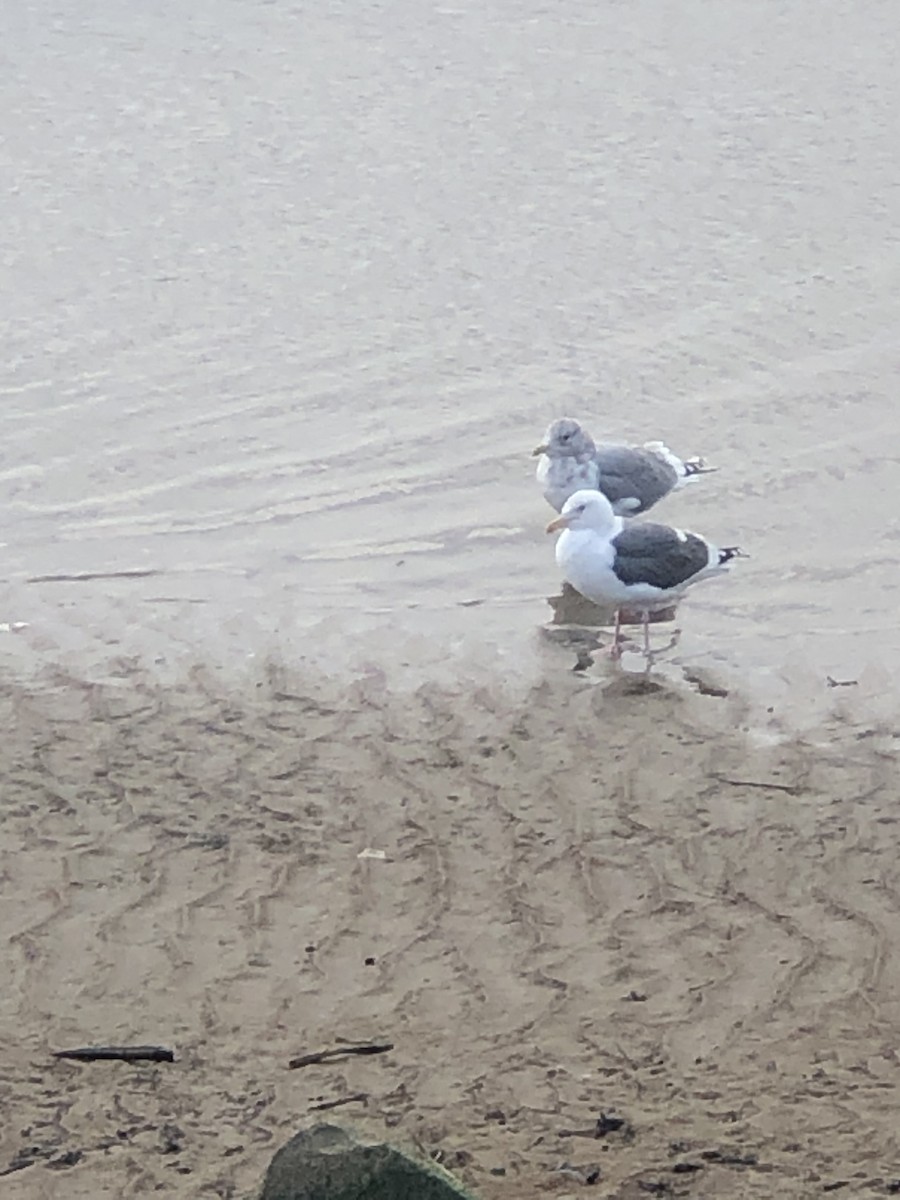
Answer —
(658, 555)
(629, 473)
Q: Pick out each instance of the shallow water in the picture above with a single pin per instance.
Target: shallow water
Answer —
(292, 291)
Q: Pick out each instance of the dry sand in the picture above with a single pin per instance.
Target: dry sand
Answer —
(597, 898)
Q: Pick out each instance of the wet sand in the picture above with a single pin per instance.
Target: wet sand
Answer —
(291, 293)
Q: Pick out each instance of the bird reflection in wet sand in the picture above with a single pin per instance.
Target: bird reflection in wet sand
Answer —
(576, 624)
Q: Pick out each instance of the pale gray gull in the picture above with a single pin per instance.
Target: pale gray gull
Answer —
(633, 478)
(637, 565)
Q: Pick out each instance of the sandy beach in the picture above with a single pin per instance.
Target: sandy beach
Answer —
(597, 902)
(291, 751)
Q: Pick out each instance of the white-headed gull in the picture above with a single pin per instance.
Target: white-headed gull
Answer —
(640, 566)
(632, 478)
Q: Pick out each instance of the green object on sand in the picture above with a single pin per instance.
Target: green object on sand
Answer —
(328, 1162)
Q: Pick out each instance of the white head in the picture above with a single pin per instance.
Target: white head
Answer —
(565, 439)
(586, 509)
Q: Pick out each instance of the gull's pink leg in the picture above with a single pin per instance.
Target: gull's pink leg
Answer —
(647, 633)
(615, 650)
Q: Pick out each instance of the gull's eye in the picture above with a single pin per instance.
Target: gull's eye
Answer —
(564, 437)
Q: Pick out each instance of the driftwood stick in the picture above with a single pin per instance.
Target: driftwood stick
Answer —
(338, 1052)
(356, 1098)
(118, 1053)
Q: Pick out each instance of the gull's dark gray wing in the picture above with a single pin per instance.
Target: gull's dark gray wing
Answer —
(655, 554)
(627, 472)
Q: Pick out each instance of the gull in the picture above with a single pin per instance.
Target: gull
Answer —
(640, 566)
(633, 478)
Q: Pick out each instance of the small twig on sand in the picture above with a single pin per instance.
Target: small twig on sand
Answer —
(841, 682)
(790, 788)
(118, 1053)
(90, 576)
(338, 1052)
(705, 686)
(356, 1098)
(605, 1124)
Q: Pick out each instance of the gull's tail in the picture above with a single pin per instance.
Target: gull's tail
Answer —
(685, 468)
(727, 553)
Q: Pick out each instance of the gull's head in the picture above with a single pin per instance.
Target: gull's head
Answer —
(565, 439)
(585, 510)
